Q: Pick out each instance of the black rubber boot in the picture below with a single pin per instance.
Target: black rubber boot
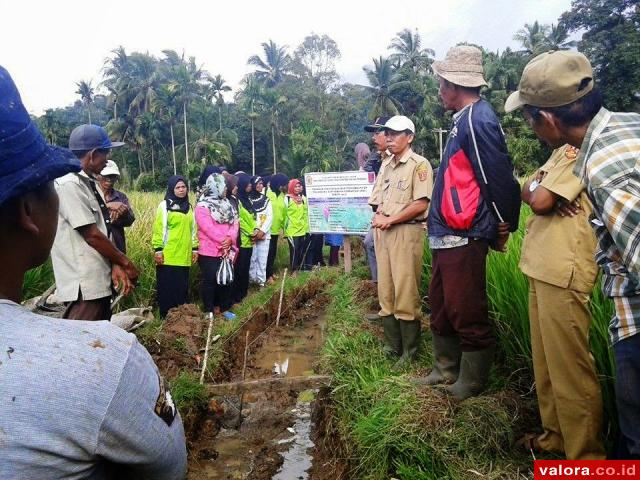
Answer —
(474, 373)
(392, 336)
(373, 318)
(446, 361)
(410, 331)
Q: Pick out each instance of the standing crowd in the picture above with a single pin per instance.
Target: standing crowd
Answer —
(98, 406)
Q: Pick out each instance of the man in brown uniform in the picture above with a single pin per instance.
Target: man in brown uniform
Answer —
(402, 199)
(558, 257)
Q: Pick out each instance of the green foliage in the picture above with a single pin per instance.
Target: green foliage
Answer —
(611, 40)
(187, 392)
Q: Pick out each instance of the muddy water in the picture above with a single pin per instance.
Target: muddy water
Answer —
(273, 440)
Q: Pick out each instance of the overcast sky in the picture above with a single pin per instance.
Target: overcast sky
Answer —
(47, 46)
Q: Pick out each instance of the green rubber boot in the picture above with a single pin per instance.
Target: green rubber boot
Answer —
(446, 364)
(474, 373)
(392, 336)
(410, 331)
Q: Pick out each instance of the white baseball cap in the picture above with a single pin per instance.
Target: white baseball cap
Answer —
(110, 169)
(400, 123)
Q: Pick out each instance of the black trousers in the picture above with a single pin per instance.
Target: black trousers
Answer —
(298, 247)
(213, 295)
(314, 254)
(172, 287)
(241, 274)
(271, 258)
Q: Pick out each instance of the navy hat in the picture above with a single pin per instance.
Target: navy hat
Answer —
(89, 137)
(26, 161)
(377, 125)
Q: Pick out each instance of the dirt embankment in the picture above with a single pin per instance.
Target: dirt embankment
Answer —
(221, 444)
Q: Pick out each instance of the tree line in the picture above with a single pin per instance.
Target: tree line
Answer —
(292, 114)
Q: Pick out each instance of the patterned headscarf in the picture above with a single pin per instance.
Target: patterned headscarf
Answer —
(214, 199)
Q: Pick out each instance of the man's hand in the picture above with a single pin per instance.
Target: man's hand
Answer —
(159, 258)
(500, 243)
(568, 209)
(382, 222)
(194, 257)
(116, 210)
(121, 280)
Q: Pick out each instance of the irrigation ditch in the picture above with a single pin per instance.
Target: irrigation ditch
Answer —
(254, 417)
(315, 398)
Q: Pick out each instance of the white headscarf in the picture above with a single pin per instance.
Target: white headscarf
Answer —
(213, 198)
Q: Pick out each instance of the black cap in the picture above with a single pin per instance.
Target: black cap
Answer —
(378, 124)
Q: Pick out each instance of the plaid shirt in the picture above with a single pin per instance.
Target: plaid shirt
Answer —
(608, 165)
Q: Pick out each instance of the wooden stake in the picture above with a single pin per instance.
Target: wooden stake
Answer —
(284, 277)
(347, 254)
(244, 372)
(206, 349)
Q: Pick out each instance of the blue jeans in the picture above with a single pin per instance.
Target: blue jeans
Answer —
(627, 354)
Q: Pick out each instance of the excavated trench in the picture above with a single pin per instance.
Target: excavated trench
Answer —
(274, 433)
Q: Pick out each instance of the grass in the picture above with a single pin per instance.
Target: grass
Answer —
(187, 392)
(390, 427)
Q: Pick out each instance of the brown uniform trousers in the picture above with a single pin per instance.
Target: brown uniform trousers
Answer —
(558, 258)
(399, 249)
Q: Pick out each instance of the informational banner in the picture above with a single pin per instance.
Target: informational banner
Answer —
(338, 202)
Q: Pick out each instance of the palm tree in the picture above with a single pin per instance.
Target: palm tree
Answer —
(251, 98)
(556, 39)
(86, 92)
(165, 105)
(276, 64)
(384, 82)
(408, 51)
(116, 73)
(144, 80)
(217, 87)
(184, 80)
(532, 38)
(149, 130)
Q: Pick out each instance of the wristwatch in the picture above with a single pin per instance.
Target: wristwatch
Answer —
(533, 185)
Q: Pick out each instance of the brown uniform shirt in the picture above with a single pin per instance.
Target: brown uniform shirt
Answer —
(402, 182)
(560, 250)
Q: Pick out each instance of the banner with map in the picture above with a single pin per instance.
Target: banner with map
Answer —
(338, 202)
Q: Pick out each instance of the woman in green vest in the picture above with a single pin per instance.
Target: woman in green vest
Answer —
(249, 233)
(296, 224)
(276, 192)
(175, 242)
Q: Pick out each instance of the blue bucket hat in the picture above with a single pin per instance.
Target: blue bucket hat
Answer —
(26, 160)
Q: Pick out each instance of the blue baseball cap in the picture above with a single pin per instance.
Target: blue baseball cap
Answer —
(90, 137)
(26, 160)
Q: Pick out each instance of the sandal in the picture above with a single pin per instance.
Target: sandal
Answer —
(530, 443)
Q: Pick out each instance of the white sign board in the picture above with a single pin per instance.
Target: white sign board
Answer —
(338, 202)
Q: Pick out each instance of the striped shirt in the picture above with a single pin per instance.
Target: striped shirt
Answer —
(608, 164)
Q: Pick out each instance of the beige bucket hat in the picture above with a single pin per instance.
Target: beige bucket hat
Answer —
(462, 66)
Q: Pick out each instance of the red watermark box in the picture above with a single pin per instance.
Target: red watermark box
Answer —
(581, 469)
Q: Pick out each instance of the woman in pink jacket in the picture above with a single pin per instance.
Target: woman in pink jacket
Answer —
(217, 221)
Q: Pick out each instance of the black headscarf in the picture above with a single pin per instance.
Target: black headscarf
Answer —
(208, 170)
(258, 200)
(243, 196)
(278, 181)
(175, 204)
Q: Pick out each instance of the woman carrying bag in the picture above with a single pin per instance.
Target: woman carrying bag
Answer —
(218, 226)
(175, 242)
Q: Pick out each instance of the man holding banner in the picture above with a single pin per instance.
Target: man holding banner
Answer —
(402, 196)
